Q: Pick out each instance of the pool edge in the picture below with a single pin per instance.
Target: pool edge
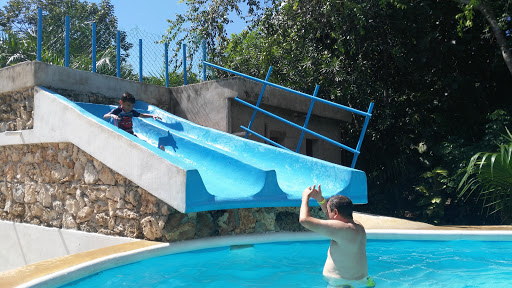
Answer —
(124, 254)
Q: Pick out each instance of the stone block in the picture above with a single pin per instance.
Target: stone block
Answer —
(84, 214)
(150, 228)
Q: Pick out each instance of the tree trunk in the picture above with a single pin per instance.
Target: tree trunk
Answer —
(496, 30)
(498, 33)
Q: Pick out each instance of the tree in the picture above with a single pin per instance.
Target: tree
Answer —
(497, 15)
(207, 20)
(19, 17)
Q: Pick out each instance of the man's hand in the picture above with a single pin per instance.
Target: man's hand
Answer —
(308, 192)
(313, 193)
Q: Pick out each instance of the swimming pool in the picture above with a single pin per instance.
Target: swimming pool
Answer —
(407, 262)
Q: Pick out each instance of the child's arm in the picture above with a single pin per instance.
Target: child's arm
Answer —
(144, 115)
(110, 115)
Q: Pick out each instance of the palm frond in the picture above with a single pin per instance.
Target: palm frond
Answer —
(490, 174)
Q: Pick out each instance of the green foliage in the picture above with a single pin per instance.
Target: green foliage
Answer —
(19, 17)
(175, 79)
(15, 49)
(489, 174)
(207, 20)
(433, 194)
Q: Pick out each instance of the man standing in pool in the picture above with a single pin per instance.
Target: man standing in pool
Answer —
(346, 264)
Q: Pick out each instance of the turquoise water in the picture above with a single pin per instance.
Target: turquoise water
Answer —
(299, 264)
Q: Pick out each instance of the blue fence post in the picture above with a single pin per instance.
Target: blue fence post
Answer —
(258, 102)
(66, 59)
(140, 60)
(184, 48)
(361, 137)
(307, 118)
(118, 50)
(39, 32)
(204, 59)
(94, 47)
(166, 64)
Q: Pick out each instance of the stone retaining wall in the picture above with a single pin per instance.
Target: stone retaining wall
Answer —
(59, 185)
(16, 110)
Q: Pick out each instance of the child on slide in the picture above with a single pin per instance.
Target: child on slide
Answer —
(125, 112)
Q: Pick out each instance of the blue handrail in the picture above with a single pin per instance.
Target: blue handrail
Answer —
(166, 64)
(184, 48)
(259, 101)
(94, 47)
(140, 60)
(118, 52)
(298, 127)
(307, 118)
(66, 37)
(264, 138)
(39, 32)
(304, 129)
(290, 90)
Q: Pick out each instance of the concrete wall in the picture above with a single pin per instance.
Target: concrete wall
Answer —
(87, 85)
(24, 244)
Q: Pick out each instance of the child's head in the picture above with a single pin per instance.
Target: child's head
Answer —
(127, 97)
(127, 101)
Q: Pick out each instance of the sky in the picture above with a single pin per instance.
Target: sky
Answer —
(150, 15)
(150, 18)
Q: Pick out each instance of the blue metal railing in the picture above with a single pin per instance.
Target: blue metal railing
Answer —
(39, 32)
(94, 47)
(303, 128)
(66, 61)
(118, 50)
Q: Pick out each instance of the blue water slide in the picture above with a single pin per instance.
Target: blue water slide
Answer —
(237, 172)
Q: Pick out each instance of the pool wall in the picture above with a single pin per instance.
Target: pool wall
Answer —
(23, 244)
(111, 261)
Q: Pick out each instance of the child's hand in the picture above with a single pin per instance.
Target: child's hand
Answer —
(113, 116)
(157, 117)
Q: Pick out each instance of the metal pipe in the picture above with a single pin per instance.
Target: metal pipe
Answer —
(289, 90)
(118, 50)
(298, 127)
(66, 58)
(39, 32)
(166, 64)
(259, 100)
(264, 138)
(94, 47)
(204, 60)
(184, 48)
(140, 60)
(307, 118)
(361, 137)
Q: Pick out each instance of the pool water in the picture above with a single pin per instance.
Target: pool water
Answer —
(392, 263)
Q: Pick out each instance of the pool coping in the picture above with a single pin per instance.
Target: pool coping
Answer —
(62, 270)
